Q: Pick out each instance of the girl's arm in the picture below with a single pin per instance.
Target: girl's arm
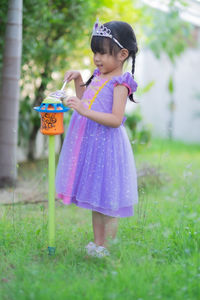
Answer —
(79, 89)
(113, 119)
(78, 81)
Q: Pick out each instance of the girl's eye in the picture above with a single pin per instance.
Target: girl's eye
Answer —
(101, 53)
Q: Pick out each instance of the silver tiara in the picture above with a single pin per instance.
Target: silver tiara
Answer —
(101, 30)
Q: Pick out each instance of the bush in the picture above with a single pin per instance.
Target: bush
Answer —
(138, 132)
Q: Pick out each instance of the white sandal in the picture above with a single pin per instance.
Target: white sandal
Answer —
(91, 248)
(101, 251)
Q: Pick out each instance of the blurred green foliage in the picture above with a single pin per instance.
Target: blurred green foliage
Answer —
(52, 32)
(167, 32)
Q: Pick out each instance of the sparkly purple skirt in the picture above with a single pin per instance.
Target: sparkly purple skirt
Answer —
(96, 168)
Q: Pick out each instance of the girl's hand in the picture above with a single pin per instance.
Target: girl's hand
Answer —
(75, 103)
(72, 75)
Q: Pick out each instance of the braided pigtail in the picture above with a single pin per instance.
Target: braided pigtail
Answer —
(133, 64)
(133, 71)
(88, 82)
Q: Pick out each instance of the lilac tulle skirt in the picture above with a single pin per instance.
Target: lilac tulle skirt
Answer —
(96, 168)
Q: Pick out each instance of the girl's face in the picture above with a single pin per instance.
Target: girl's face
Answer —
(107, 63)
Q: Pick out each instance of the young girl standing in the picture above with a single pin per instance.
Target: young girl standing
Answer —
(96, 168)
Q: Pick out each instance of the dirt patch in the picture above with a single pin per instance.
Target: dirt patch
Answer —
(30, 191)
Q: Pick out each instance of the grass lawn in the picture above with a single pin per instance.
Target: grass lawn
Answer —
(156, 255)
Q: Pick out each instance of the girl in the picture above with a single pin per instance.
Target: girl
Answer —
(96, 168)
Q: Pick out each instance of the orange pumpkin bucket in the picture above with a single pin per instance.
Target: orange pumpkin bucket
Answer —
(51, 111)
(51, 123)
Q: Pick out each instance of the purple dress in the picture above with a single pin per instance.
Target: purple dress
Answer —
(96, 168)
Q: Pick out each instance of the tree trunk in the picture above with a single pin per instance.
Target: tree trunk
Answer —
(9, 94)
(39, 95)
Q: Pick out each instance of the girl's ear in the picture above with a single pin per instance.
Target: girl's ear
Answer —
(123, 54)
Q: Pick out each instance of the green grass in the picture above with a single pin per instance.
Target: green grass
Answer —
(156, 256)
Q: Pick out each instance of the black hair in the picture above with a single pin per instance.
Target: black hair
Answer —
(125, 35)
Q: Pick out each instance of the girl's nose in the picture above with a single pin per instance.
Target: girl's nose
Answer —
(96, 57)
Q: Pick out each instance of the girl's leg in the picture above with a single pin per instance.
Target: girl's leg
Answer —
(110, 229)
(104, 227)
(98, 228)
